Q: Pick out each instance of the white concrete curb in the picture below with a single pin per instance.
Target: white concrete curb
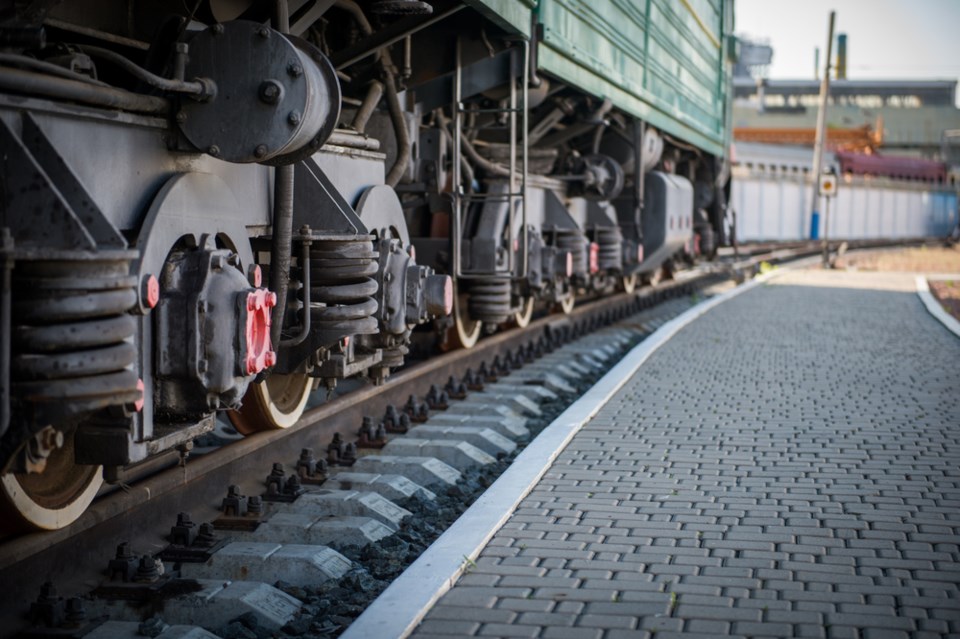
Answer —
(398, 610)
(933, 306)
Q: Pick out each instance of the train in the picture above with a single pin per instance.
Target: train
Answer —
(220, 206)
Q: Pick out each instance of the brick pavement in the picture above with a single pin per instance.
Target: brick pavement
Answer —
(788, 465)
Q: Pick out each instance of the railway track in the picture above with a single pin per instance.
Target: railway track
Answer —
(535, 372)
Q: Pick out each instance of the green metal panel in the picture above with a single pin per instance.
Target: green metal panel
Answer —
(660, 60)
(512, 15)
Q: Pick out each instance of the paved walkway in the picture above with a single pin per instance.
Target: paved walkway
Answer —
(788, 465)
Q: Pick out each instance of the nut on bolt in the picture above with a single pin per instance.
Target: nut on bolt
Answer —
(271, 91)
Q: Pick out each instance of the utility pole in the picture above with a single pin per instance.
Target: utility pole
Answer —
(818, 144)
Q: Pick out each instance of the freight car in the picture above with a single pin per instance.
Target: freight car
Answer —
(221, 205)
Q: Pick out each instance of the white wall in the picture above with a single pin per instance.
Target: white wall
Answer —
(774, 206)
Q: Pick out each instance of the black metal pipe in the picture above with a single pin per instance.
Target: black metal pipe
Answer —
(297, 339)
(40, 66)
(202, 88)
(281, 248)
(6, 265)
(29, 83)
(404, 148)
(370, 102)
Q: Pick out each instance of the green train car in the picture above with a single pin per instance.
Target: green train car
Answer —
(231, 203)
(663, 61)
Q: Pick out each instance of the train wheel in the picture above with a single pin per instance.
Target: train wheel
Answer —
(525, 314)
(465, 332)
(277, 402)
(52, 499)
(566, 304)
(629, 283)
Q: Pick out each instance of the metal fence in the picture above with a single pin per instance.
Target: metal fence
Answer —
(773, 204)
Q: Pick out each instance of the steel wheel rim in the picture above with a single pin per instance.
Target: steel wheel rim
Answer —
(465, 332)
(55, 498)
(277, 402)
(525, 314)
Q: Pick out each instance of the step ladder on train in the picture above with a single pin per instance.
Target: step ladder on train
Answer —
(515, 191)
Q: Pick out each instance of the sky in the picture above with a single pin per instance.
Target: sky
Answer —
(889, 39)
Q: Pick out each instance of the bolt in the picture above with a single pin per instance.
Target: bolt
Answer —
(294, 118)
(214, 150)
(217, 262)
(255, 505)
(149, 291)
(270, 91)
(260, 151)
(388, 277)
(75, 610)
(181, 116)
(123, 551)
(52, 439)
(205, 535)
(295, 69)
(152, 627)
(263, 32)
(47, 591)
(218, 29)
(148, 570)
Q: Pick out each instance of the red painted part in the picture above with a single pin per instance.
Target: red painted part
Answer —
(594, 257)
(260, 354)
(640, 254)
(696, 244)
(139, 403)
(447, 295)
(892, 166)
(151, 291)
(569, 264)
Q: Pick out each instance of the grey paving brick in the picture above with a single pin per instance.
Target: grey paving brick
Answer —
(547, 619)
(797, 468)
(707, 626)
(562, 632)
(508, 630)
(525, 604)
(449, 627)
(472, 613)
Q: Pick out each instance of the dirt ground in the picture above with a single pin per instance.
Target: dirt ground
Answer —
(916, 260)
(948, 294)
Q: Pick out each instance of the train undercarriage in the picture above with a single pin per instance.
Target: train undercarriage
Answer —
(223, 207)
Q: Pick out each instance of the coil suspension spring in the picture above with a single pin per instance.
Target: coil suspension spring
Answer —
(574, 242)
(72, 336)
(610, 242)
(342, 286)
(490, 300)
